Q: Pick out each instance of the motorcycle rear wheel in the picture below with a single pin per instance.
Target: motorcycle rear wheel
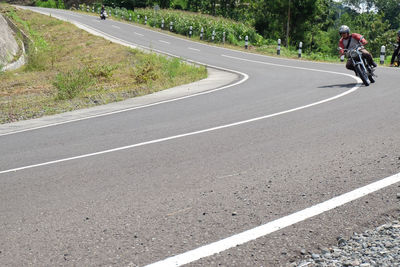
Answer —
(371, 78)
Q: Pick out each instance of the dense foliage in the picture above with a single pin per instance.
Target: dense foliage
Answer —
(315, 23)
(235, 32)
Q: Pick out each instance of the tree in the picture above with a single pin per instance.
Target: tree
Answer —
(165, 3)
(391, 11)
(272, 17)
(361, 5)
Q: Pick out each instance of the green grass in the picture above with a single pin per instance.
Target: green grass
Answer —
(70, 69)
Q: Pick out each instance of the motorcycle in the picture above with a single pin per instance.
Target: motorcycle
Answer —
(103, 15)
(361, 66)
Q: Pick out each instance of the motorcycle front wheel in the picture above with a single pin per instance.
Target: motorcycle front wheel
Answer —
(362, 75)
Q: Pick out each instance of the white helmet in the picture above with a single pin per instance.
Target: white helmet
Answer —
(344, 29)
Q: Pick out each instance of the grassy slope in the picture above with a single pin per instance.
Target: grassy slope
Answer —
(65, 56)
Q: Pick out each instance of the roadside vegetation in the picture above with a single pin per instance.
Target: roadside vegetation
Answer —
(70, 69)
(235, 32)
(314, 23)
(316, 29)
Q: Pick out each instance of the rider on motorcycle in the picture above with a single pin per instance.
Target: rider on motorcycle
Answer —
(103, 13)
(349, 41)
(397, 50)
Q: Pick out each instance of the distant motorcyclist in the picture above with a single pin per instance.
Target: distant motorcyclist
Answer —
(397, 50)
(349, 41)
(103, 13)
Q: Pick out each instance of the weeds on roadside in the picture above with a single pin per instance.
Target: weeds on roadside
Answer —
(75, 82)
(70, 69)
(72, 83)
(101, 71)
(144, 73)
(36, 60)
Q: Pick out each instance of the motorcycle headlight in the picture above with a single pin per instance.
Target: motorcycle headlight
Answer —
(354, 54)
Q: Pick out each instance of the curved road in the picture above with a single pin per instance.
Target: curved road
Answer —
(242, 176)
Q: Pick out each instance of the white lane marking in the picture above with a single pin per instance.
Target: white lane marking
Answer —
(165, 42)
(279, 223)
(138, 34)
(117, 27)
(126, 43)
(185, 134)
(265, 229)
(123, 42)
(95, 20)
(194, 49)
(245, 78)
(73, 15)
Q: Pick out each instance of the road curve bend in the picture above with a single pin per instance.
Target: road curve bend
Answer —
(289, 156)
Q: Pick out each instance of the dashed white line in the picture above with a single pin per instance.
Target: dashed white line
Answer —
(117, 27)
(138, 34)
(265, 229)
(73, 15)
(165, 42)
(194, 49)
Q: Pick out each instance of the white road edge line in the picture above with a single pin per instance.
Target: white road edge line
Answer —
(286, 66)
(185, 134)
(265, 229)
(117, 40)
(126, 43)
(245, 77)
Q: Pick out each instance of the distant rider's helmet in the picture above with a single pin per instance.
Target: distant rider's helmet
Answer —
(398, 33)
(344, 29)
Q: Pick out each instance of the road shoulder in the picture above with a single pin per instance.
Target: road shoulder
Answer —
(216, 79)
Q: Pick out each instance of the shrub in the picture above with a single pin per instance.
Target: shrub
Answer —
(37, 60)
(72, 83)
(145, 71)
(101, 71)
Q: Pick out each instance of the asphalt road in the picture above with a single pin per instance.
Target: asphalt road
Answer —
(137, 187)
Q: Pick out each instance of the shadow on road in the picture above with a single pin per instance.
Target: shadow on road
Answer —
(344, 85)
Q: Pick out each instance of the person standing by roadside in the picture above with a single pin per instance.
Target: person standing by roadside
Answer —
(396, 51)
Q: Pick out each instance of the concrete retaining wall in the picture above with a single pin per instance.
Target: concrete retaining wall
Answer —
(9, 46)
